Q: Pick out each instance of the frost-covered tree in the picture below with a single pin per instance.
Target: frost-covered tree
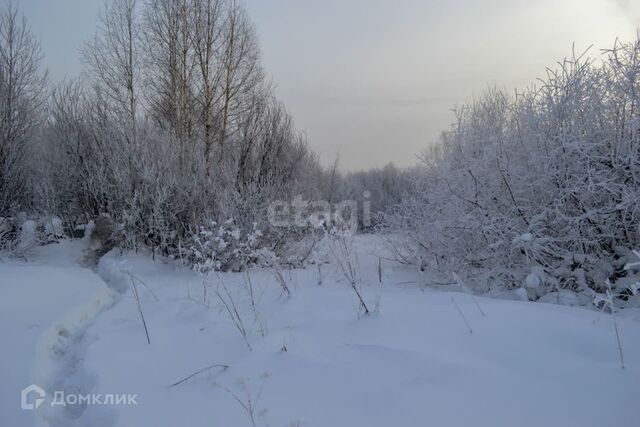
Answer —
(173, 126)
(22, 97)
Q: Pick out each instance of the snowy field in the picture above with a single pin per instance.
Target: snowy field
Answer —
(308, 359)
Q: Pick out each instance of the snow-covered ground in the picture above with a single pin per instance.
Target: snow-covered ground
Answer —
(42, 303)
(309, 359)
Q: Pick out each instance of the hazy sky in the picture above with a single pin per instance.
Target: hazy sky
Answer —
(375, 80)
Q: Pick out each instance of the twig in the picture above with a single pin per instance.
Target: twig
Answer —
(464, 287)
(248, 285)
(615, 322)
(421, 276)
(349, 268)
(319, 274)
(250, 403)
(224, 367)
(281, 280)
(134, 277)
(137, 297)
(461, 314)
(232, 311)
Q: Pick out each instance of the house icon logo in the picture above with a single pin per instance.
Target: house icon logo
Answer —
(24, 397)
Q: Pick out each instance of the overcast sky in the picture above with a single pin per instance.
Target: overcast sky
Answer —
(375, 80)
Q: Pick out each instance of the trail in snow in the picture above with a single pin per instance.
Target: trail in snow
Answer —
(50, 302)
(33, 296)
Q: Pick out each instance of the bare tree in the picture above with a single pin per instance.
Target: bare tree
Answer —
(112, 60)
(207, 35)
(241, 70)
(170, 69)
(22, 91)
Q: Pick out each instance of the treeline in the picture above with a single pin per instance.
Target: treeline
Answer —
(172, 125)
(172, 132)
(539, 189)
(379, 188)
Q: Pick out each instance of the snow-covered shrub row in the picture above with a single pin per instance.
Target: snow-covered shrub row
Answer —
(539, 190)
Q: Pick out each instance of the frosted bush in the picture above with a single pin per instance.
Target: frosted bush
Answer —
(537, 189)
(223, 247)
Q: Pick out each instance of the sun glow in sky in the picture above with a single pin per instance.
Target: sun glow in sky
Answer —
(375, 80)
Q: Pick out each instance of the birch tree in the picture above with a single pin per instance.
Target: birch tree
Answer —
(241, 70)
(170, 69)
(22, 93)
(112, 61)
